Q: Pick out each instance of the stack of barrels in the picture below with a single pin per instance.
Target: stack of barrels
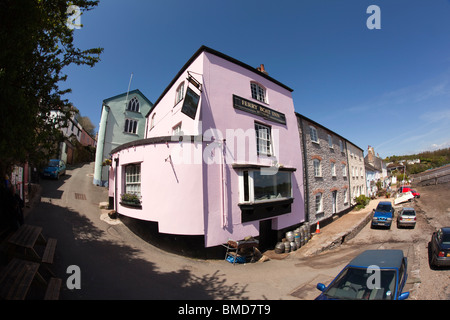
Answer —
(294, 240)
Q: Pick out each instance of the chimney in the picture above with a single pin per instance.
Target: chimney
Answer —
(261, 69)
(370, 155)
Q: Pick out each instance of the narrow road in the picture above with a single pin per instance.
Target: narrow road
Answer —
(116, 264)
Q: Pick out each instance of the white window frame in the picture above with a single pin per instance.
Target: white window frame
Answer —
(313, 134)
(317, 168)
(345, 195)
(132, 178)
(341, 145)
(258, 92)
(179, 95)
(249, 174)
(152, 123)
(176, 130)
(263, 139)
(131, 126)
(330, 141)
(133, 105)
(344, 170)
(333, 169)
(318, 202)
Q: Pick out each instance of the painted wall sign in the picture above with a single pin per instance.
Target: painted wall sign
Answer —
(260, 110)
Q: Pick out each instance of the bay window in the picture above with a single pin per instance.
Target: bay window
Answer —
(258, 187)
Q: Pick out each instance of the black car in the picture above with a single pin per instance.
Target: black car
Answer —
(439, 248)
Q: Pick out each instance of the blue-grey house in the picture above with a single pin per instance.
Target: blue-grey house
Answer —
(122, 120)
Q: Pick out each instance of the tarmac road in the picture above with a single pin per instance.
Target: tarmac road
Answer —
(116, 264)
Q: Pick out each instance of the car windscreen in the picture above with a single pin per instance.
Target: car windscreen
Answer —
(53, 163)
(363, 284)
(383, 207)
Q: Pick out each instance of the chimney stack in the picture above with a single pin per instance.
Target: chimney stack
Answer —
(261, 69)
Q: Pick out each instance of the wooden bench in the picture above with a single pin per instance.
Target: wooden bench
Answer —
(49, 251)
(16, 279)
(53, 288)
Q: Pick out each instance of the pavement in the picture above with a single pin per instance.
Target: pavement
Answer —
(339, 231)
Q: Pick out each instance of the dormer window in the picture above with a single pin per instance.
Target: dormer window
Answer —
(258, 92)
(180, 93)
(133, 105)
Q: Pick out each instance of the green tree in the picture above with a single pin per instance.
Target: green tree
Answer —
(36, 45)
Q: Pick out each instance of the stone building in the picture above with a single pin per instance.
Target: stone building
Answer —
(326, 170)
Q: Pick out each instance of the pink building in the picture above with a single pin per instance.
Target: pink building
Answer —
(221, 159)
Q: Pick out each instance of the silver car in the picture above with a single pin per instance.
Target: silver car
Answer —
(406, 218)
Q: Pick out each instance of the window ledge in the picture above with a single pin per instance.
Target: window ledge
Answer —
(131, 205)
(265, 209)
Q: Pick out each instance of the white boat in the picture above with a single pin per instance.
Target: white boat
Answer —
(403, 197)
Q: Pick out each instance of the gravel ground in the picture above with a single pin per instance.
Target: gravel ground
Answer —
(435, 204)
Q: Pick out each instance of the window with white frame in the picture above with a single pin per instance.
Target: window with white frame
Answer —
(152, 123)
(313, 134)
(258, 92)
(333, 169)
(319, 202)
(345, 196)
(263, 140)
(317, 168)
(133, 105)
(255, 186)
(330, 141)
(133, 179)
(176, 131)
(344, 170)
(130, 126)
(180, 93)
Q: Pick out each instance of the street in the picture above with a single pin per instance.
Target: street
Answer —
(116, 264)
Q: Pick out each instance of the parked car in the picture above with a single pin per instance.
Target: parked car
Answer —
(439, 248)
(54, 169)
(358, 281)
(406, 218)
(383, 214)
(404, 189)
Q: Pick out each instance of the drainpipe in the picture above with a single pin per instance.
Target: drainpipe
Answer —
(305, 171)
(116, 160)
(100, 146)
(223, 176)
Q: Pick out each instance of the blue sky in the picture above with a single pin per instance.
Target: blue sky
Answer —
(388, 88)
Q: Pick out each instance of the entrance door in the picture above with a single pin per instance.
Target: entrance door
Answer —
(334, 201)
(267, 236)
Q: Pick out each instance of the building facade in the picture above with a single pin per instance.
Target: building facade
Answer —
(357, 171)
(326, 170)
(219, 160)
(122, 120)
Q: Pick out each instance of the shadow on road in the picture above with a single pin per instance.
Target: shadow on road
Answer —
(111, 269)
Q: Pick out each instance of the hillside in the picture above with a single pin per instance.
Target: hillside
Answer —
(428, 160)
